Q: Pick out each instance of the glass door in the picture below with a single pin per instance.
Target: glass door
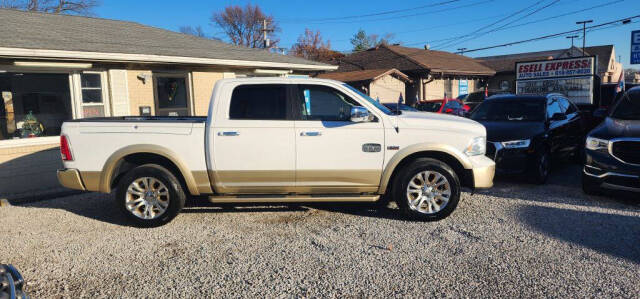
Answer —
(172, 96)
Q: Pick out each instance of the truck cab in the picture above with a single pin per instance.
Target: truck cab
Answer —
(279, 140)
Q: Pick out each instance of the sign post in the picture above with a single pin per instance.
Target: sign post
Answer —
(635, 47)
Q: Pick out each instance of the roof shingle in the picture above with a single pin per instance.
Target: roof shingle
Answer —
(34, 30)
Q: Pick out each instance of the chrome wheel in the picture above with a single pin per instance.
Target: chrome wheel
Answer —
(428, 192)
(147, 198)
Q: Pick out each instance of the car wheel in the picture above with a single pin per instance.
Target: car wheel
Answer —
(150, 196)
(427, 190)
(542, 166)
(590, 186)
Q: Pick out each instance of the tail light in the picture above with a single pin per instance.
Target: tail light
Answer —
(65, 150)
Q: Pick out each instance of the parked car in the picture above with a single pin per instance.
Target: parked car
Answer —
(394, 107)
(613, 148)
(448, 106)
(278, 140)
(472, 100)
(524, 132)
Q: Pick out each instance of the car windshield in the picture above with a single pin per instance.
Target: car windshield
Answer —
(510, 110)
(381, 107)
(430, 106)
(629, 107)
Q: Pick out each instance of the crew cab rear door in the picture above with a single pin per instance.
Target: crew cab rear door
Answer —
(333, 154)
(253, 148)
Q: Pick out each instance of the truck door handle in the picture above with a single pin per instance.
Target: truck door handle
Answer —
(228, 133)
(310, 133)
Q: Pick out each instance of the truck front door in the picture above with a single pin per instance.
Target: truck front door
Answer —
(333, 154)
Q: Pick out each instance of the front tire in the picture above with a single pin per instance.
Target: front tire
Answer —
(427, 190)
(150, 196)
(542, 166)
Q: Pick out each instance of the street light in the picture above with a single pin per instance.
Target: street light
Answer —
(584, 32)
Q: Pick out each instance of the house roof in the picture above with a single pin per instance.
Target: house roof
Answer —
(414, 60)
(364, 75)
(58, 35)
(507, 63)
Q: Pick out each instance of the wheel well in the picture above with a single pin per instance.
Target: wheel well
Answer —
(465, 176)
(134, 160)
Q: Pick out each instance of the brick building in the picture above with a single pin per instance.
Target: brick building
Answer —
(433, 74)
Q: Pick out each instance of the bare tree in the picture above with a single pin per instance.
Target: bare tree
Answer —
(195, 31)
(73, 7)
(243, 26)
(311, 46)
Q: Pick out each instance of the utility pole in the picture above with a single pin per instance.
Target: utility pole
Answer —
(572, 37)
(461, 50)
(265, 31)
(584, 32)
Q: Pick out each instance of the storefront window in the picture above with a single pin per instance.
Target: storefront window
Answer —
(33, 104)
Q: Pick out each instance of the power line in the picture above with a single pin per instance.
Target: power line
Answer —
(505, 25)
(530, 22)
(395, 17)
(371, 14)
(552, 35)
(492, 24)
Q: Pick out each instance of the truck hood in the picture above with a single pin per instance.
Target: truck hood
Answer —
(612, 128)
(438, 121)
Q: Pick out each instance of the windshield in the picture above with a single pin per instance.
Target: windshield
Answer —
(629, 107)
(430, 106)
(381, 107)
(511, 110)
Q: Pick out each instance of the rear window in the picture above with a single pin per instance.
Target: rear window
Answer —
(429, 106)
(261, 102)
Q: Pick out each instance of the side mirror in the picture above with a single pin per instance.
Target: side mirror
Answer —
(558, 116)
(600, 113)
(360, 114)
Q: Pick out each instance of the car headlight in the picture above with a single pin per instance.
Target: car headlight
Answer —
(597, 144)
(477, 146)
(524, 143)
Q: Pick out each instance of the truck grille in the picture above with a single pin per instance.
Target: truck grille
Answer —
(627, 151)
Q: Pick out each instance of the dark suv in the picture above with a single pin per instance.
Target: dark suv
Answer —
(613, 148)
(524, 132)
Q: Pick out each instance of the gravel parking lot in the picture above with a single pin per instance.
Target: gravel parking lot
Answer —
(513, 240)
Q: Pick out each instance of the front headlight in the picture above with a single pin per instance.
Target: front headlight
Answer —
(524, 143)
(597, 144)
(477, 146)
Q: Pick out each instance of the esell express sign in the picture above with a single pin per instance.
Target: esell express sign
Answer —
(555, 68)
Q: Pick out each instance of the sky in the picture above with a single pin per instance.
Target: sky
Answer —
(443, 24)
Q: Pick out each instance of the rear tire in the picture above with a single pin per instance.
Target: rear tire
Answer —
(426, 190)
(150, 196)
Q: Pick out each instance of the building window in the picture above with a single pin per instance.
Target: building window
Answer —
(172, 95)
(33, 104)
(92, 94)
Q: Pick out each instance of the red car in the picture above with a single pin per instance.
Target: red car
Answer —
(448, 106)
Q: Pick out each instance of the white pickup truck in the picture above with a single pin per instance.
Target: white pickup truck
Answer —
(278, 140)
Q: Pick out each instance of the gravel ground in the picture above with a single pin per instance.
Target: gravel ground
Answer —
(515, 240)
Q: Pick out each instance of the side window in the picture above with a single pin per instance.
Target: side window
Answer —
(569, 107)
(553, 107)
(324, 103)
(262, 102)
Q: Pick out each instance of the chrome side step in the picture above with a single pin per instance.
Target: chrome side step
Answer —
(292, 198)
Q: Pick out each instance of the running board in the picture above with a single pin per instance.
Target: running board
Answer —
(292, 198)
